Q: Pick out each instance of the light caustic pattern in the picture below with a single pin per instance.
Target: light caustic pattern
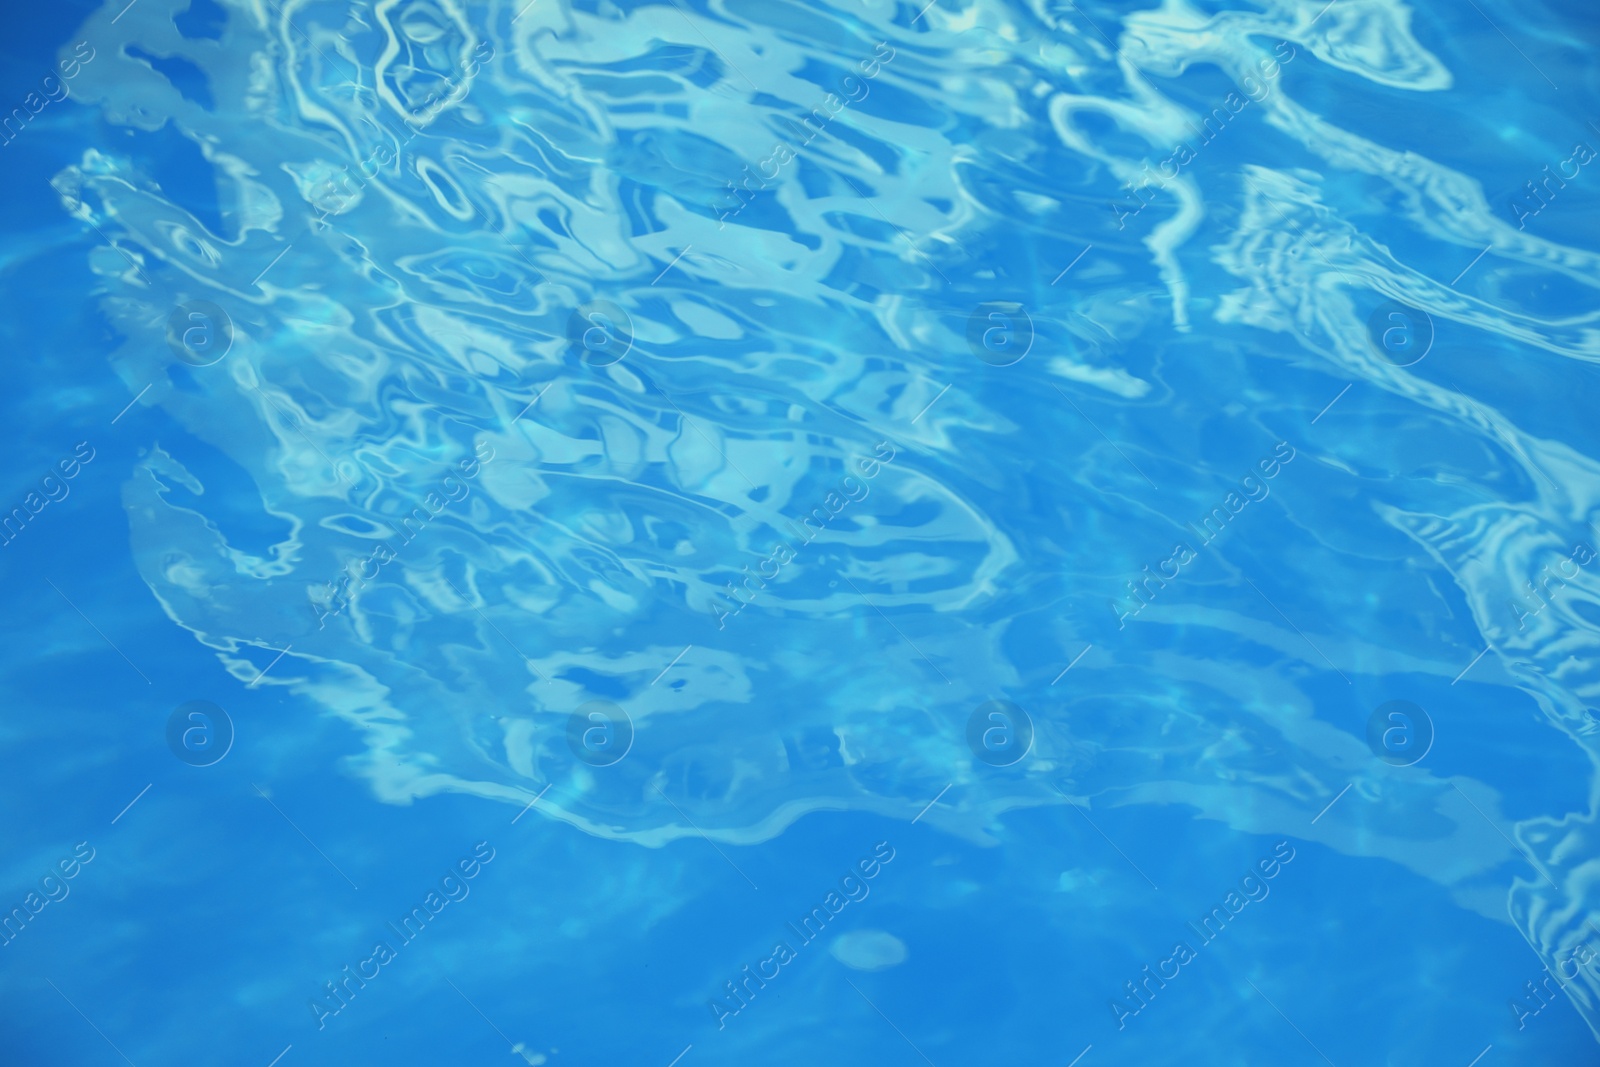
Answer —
(418, 195)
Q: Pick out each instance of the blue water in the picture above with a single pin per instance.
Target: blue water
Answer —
(727, 531)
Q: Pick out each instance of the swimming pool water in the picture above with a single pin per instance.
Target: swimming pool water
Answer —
(701, 531)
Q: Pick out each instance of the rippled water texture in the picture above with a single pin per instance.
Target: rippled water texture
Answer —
(804, 526)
